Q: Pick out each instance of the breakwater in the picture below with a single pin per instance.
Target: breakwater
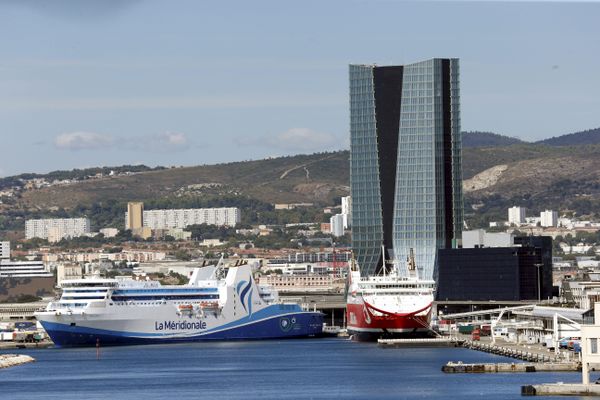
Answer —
(11, 360)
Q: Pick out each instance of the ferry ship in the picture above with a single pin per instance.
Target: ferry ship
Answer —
(218, 303)
(388, 305)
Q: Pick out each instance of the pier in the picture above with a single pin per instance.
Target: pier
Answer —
(420, 342)
(459, 367)
(11, 360)
(560, 389)
(519, 352)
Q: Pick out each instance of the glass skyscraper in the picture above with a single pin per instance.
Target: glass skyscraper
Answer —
(405, 163)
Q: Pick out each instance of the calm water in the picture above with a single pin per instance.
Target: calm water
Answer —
(291, 369)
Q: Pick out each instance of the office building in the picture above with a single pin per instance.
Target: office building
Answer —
(134, 216)
(517, 215)
(405, 163)
(4, 250)
(549, 218)
(167, 219)
(542, 245)
(494, 273)
(55, 229)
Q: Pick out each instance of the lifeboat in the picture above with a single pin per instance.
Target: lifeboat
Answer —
(209, 305)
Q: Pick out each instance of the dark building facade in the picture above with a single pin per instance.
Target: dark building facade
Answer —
(494, 273)
(405, 163)
(543, 248)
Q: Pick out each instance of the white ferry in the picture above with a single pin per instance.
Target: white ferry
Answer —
(388, 305)
(218, 303)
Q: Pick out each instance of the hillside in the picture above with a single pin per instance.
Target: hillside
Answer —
(487, 139)
(536, 176)
(304, 178)
(591, 136)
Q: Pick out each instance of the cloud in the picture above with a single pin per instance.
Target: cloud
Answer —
(172, 103)
(154, 143)
(83, 140)
(161, 143)
(295, 139)
(74, 9)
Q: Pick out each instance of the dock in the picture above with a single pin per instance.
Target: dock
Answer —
(11, 360)
(420, 342)
(519, 352)
(19, 345)
(459, 367)
(561, 389)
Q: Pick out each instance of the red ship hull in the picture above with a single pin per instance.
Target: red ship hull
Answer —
(366, 322)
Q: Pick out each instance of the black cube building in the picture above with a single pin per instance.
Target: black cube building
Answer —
(495, 273)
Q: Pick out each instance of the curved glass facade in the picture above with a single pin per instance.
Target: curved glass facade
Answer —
(367, 225)
(417, 104)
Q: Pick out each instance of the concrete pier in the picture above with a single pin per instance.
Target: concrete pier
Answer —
(419, 342)
(514, 351)
(560, 389)
(11, 360)
(459, 367)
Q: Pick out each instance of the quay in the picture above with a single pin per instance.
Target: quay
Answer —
(420, 342)
(560, 389)
(11, 360)
(531, 353)
(19, 345)
(459, 367)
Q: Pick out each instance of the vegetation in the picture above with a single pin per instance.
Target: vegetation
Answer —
(487, 139)
(590, 136)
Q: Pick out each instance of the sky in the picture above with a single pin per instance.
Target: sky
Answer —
(114, 82)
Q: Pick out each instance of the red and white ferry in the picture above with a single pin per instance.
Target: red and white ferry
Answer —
(388, 305)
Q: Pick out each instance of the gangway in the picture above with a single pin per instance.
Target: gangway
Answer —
(491, 311)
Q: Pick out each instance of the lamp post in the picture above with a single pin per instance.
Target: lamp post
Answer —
(539, 289)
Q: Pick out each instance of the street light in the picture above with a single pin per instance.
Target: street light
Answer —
(539, 289)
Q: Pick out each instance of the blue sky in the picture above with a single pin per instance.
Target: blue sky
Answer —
(186, 82)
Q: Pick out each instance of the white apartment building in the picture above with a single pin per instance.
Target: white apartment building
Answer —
(23, 269)
(337, 225)
(549, 218)
(4, 250)
(166, 219)
(516, 215)
(55, 229)
(347, 211)
(479, 238)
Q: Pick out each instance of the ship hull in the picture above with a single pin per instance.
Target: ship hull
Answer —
(65, 333)
(365, 326)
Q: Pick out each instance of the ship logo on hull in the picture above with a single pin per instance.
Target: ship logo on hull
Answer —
(245, 293)
(366, 314)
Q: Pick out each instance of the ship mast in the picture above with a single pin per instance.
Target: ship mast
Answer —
(411, 264)
(384, 267)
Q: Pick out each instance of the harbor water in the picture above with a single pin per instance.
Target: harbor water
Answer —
(286, 369)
